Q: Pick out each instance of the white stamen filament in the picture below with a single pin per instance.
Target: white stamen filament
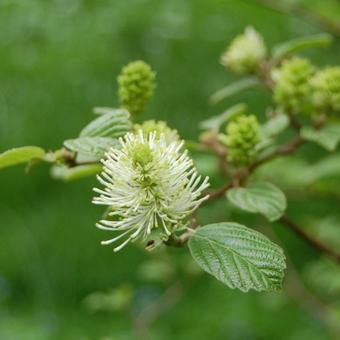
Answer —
(142, 197)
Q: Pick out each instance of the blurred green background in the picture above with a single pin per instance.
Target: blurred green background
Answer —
(59, 59)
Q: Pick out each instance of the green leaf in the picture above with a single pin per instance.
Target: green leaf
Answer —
(275, 125)
(287, 48)
(67, 174)
(234, 88)
(328, 137)
(215, 123)
(262, 197)
(92, 146)
(102, 110)
(111, 123)
(238, 256)
(20, 155)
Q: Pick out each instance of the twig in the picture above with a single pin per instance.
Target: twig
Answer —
(318, 245)
(294, 123)
(220, 192)
(295, 289)
(242, 176)
(180, 241)
(281, 151)
(211, 143)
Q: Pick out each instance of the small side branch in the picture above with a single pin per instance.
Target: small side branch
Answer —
(316, 244)
(220, 192)
(180, 241)
(242, 176)
(281, 151)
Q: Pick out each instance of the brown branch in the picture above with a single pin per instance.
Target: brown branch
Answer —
(242, 176)
(294, 123)
(66, 157)
(220, 192)
(281, 151)
(210, 143)
(318, 245)
(180, 241)
(296, 290)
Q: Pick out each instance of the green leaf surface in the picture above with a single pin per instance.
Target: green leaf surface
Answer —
(102, 110)
(215, 123)
(67, 174)
(328, 137)
(293, 46)
(92, 146)
(262, 197)
(275, 125)
(239, 257)
(20, 155)
(111, 123)
(234, 88)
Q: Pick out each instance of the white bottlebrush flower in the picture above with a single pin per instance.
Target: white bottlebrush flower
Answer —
(148, 184)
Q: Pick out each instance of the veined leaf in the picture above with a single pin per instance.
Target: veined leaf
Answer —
(264, 198)
(319, 40)
(103, 110)
(67, 174)
(328, 137)
(215, 123)
(275, 125)
(92, 146)
(20, 155)
(112, 123)
(239, 257)
(234, 88)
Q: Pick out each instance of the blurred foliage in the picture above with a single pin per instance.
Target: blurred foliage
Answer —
(60, 58)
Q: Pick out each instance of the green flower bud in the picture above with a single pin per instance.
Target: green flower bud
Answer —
(136, 86)
(243, 135)
(293, 89)
(326, 90)
(245, 52)
(160, 127)
(142, 154)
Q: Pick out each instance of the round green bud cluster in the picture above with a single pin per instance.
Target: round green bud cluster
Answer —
(136, 86)
(243, 135)
(292, 89)
(160, 127)
(245, 52)
(326, 90)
